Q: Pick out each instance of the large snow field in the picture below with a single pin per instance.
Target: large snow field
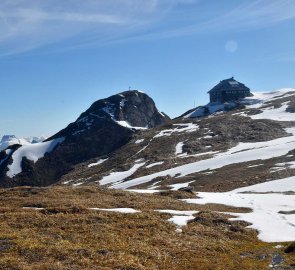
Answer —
(270, 210)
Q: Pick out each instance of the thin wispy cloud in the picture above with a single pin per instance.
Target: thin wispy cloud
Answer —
(30, 24)
(250, 15)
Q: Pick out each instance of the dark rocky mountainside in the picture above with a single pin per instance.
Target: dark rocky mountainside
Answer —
(106, 126)
(132, 109)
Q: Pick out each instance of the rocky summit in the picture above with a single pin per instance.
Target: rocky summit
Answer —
(106, 126)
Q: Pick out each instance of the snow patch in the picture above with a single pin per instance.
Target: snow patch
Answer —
(139, 141)
(154, 164)
(256, 165)
(127, 125)
(210, 108)
(180, 185)
(100, 161)
(178, 148)
(180, 128)
(120, 176)
(118, 210)
(144, 191)
(180, 218)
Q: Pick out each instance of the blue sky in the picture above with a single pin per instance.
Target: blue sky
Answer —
(57, 57)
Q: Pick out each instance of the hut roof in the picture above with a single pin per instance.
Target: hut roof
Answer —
(229, 84)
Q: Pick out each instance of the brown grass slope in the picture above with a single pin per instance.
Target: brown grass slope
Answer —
(67, 235)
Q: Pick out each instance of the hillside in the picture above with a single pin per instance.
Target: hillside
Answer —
(194, 150)
(106, 126)
(214, 156)
(212, 189)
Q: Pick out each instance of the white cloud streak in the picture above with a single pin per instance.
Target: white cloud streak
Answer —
(30, 24)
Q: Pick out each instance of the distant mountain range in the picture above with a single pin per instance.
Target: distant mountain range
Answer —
(8, 140)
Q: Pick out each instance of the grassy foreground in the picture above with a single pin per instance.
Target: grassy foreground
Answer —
(67, 235)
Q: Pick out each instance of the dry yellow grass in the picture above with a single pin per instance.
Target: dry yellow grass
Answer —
(67, 235)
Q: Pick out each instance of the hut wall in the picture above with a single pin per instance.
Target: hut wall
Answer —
(229, 95)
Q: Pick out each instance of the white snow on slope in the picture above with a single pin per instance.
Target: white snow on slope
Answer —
(119, 176)
(118, 210)
(34, 208)
(185, 155)
(281, 185)
(272, 225)
(127, 125)
(32, 152)
(288, 165)
(154, 164)
(97, 163)
(144, 191)
(180, 185)
(181, 221)
(210, 108)
(179, 218)
(177, 212)
(259, 100)
(178, 148)
(278, 114)
(179, 128)
(243, 152)
(139, 141)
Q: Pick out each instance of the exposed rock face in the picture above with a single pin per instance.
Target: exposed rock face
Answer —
(106, 126)
(132, 109)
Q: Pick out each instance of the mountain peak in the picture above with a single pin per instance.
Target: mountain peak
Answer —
(106, 126)
(132, 109)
